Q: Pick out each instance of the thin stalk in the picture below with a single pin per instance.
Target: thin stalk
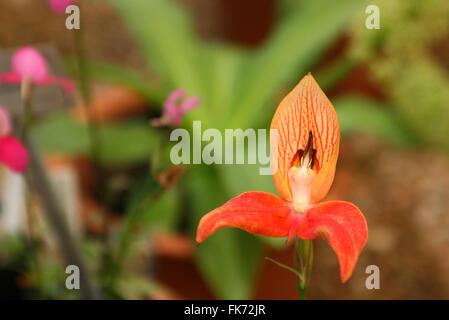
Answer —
(83, 80)
(94, 137)
(124, 240)
(25, 91)
(298, 275)
(84, 85)
(303, 258)
(32, 242)
(26, 88)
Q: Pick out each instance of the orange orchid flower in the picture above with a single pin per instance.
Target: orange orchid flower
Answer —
(306, 145)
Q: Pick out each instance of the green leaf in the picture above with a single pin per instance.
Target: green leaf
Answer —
(164, 214)
(127, 143)
(287, 56)
(165, 33)
(225, 71)
(124, 143)
(239, 178)
(154, 213)
(333, 74)
(356, 114)
(230, 258)
(58, 132)
(122, 76)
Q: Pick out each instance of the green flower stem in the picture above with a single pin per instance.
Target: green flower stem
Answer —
(303, 260)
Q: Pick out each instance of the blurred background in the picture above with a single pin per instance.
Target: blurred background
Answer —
(133, 214)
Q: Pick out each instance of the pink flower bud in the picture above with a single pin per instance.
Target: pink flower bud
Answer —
(29, 64)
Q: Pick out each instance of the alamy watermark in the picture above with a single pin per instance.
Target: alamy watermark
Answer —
(73, 20)
(72, 282)
(210, 147)
(373, 280)
(373, 20)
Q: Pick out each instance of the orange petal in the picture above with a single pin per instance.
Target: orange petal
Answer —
(343, 226)
(325, 177)
(305, 109)
(259, 213)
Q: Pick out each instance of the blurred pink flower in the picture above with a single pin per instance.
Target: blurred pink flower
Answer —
(12, 152)
(59, 6)
(172, 113)
(28, 64)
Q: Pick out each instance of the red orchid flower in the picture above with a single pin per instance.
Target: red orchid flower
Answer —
(12, 152)
(28, 65)
(306, 146)
(172, 113)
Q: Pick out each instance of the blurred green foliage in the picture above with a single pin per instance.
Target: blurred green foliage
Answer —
(357, 114)
(60, 132)
(402, 59)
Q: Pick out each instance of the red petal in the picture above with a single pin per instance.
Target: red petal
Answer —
(13, 154)
(343, 226)
(305, 109)
(10, 77)
(66, 84)
(259, 213)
